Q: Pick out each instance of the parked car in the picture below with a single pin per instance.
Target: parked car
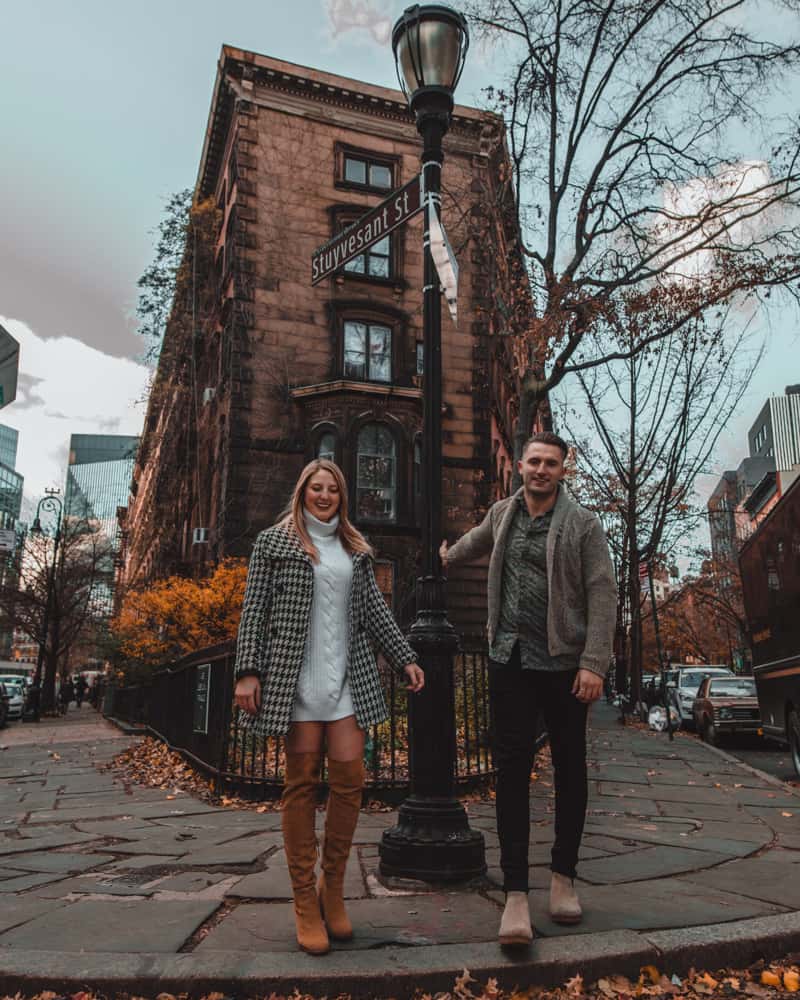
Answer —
(726, 706)
(3, 706)
(778, 686)
(684, 683)
(16, 699)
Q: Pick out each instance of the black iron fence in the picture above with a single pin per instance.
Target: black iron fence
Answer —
(189, 705)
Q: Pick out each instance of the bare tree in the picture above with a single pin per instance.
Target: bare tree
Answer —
(635, 208)
(655, 420)
(55, 597)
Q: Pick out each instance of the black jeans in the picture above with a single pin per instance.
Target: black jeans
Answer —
(516, 695)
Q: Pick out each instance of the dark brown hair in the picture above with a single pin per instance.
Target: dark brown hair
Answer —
(547, 437)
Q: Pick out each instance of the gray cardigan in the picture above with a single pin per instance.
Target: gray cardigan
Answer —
(582, 598)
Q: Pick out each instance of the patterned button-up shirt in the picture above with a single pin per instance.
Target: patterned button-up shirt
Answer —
(523, 609)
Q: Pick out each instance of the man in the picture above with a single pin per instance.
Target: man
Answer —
(552, 613)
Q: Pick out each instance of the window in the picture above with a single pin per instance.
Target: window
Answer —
(376, 490)
(367, 351)
(327, 446)
(367, 172)
(375, 262)
(420, 358)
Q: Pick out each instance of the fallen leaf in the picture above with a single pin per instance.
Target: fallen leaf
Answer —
(787, 814)
(769, 978)
(574, 986)
(791, 981)
(461, 987)
(652, 974)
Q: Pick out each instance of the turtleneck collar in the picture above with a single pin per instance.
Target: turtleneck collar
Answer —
(320, 529)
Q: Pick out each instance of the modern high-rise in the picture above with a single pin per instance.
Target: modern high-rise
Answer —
(11, 486)
(739, 498)
(9, 439)
(775, 433)
(98, 480)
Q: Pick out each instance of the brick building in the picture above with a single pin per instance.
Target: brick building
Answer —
(274, 371)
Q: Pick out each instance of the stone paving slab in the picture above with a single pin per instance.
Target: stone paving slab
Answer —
(58, 861)
(650, 862)
(433, 919)
(646, 906)
(28, 881)
(755, 878)
(114, 925)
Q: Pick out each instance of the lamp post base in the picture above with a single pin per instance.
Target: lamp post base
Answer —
(432, 842)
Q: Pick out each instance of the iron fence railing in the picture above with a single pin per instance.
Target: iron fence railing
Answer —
(189, 706)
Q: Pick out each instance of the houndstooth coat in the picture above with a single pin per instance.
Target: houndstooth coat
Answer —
(275, 621)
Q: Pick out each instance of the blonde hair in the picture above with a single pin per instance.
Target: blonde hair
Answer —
(294, 521)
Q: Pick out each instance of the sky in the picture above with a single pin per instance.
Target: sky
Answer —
(103, 109)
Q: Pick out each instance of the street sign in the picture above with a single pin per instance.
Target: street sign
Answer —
(445, 261)
(372, 227)
(8, 540)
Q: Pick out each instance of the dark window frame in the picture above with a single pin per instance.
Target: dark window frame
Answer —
(370, 157)
(370, 324)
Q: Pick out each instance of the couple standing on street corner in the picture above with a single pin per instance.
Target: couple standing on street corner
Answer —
(306, 670)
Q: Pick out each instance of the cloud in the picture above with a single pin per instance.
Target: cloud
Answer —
(736, 196)
(67, 387)
(372, 16)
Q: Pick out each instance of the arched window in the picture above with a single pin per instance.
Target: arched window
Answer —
(376, 474)
(327, 446)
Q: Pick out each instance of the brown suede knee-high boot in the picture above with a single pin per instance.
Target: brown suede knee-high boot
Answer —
(346, 780)
(300, 843)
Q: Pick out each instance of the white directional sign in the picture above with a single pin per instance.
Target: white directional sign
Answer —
(372, 227)
(445, 261)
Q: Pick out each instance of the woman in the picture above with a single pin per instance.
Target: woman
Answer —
(305, 670)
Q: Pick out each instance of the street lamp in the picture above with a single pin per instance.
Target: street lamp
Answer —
(51, 503)
(432, 840)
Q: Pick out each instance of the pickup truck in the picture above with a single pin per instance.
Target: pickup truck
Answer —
(778, 687)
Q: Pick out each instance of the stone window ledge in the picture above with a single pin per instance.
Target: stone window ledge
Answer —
(351, 385)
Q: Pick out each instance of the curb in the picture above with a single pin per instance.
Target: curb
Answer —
(756, 772)
(400, 972)
(128, 728)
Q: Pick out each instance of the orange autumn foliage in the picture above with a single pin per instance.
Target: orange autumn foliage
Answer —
(176, 616)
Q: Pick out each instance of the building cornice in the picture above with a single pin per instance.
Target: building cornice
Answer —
(284, 86)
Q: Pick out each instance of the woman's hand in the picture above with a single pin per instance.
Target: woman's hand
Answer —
(247, 694)
(416, 676)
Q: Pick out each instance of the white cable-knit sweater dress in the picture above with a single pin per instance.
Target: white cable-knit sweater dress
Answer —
(323, 690)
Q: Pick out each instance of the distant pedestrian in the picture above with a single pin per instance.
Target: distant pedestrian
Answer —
(306, 670)
(66, 694)
(552, 612)
(80, 690)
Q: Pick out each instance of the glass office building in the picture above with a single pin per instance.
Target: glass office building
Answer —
(11, 485)
(98, 480)
(9, 438)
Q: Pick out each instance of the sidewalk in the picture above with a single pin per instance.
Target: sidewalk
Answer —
(689, 858)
